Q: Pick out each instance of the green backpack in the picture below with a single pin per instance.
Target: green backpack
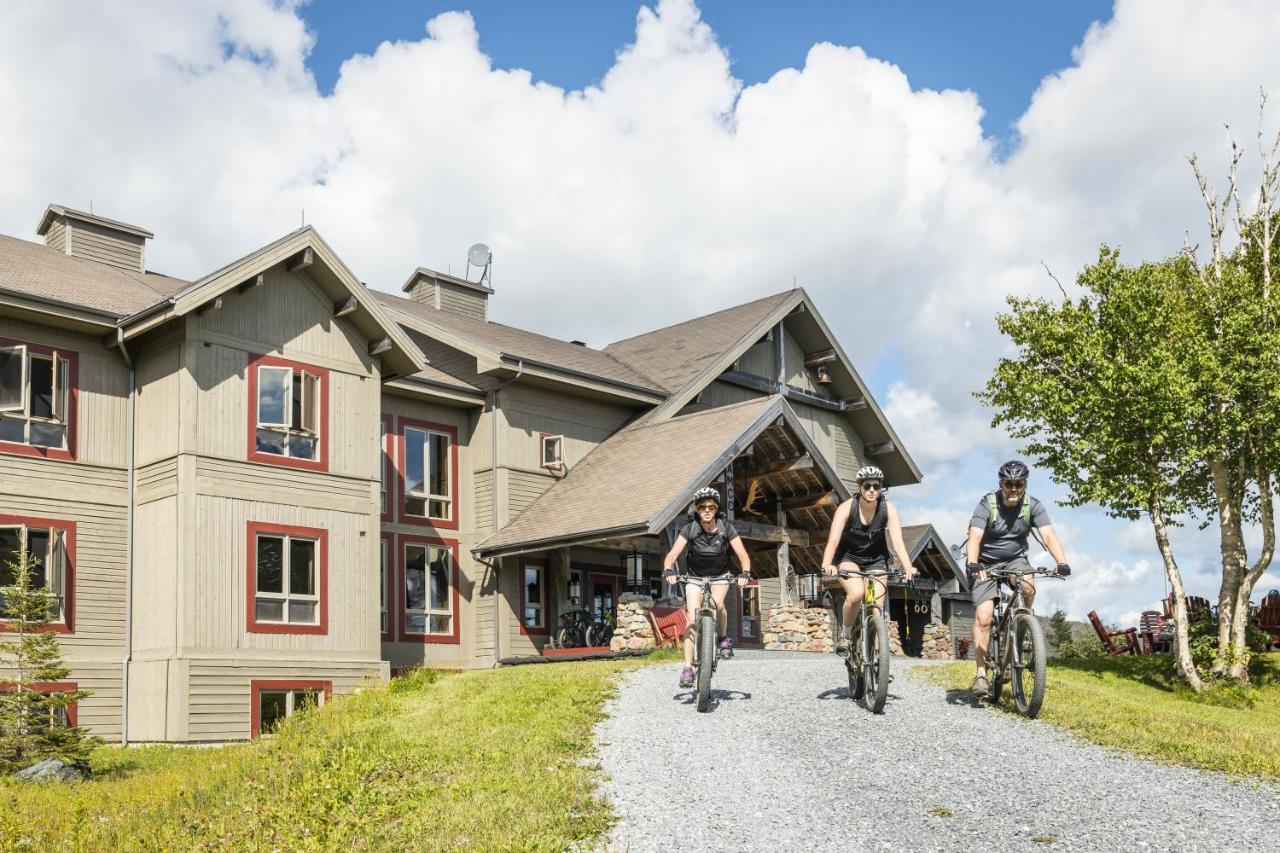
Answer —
(992, 511)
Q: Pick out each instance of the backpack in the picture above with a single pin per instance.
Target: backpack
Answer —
(1024, 513)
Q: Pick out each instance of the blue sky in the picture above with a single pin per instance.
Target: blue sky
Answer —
(1000, 50)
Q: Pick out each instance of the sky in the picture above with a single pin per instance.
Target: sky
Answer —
(634, 165)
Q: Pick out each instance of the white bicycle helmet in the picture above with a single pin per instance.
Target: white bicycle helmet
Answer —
(869, 472)
(706, 493)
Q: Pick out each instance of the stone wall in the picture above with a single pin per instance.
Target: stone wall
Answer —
(895, 640)
(793, 628)
(633, 631)
(937, 642)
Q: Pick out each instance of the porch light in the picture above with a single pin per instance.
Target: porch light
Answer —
(575, 588)
(633, 568)
(811, 592)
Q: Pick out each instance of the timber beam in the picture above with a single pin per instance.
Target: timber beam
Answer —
(825, 356)
(829, 498)
(776, 466)
(301, 261)
(771, 533)
(343, 307)
(769, 386)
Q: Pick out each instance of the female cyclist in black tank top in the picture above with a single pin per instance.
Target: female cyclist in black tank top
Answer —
(866, 544)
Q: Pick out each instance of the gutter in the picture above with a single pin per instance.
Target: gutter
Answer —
(579, 374)
(493, 471)
(128, 544)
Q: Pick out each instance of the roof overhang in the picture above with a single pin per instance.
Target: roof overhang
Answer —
(55, 210)
(56, 312)
(931, 537)
(427, 389)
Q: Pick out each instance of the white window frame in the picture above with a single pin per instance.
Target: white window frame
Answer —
(287, 596)
(425, 494)
(60, 387)
(289, 703)
(541, 624)
(382, 583)
(55, 565)
(557, 460)
(309, 418)
(384, 459)
(428, 611)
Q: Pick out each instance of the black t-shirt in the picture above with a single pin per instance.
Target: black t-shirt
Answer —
(708, 553)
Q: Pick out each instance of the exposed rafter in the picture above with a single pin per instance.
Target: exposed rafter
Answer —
(343, 307)
(301, 261)
(249, 284)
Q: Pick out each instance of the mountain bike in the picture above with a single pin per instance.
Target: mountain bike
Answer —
(705, 653)
(1016, 651)
(600, 631)
(868, 660)
(573, 629)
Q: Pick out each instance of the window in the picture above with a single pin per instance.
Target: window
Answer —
(552, 451)
(60, 716)
(429, 475)
(52, 545)
(430, 590)
(275, 701)
(749, 624)
(385, 468)
(288, 579)
(383, 546)
(533, 598)
(288, 412)
(37, 399)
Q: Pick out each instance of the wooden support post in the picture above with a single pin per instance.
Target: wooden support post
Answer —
(784, 573)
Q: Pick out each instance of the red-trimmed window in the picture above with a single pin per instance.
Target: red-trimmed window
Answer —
(53, 544)
(39, 392)
(386, 584)
(428, 463)
(533, 596)
(386, 465)
(276, 700)
(749, 615)
(551, 451)
(429, 578)
(67, 715)
(288, 413)
(288, 579)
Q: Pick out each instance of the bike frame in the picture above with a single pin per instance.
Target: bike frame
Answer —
(1000, 648)
(869, 602)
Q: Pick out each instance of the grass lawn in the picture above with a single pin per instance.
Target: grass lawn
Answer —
(1135, 703)
(490, 759)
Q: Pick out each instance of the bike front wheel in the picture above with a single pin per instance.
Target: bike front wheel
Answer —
(995, 670)
(876, 643)
(1028, 661)
(706, 658)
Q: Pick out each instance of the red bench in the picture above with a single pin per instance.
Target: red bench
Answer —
(1128, 637)
(669, 624)
(1269, 617)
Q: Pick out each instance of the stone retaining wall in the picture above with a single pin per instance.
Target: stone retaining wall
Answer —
(937, 642)
(793, 628)
(633, 631)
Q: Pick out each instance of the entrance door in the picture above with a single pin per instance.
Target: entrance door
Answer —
(602, 595)
(748, 598)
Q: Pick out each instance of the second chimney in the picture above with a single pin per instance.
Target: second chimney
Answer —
(95, 238)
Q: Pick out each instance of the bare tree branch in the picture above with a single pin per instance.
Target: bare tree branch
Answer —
(1062, 289)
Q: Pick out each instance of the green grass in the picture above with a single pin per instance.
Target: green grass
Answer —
(1136, 704)
(497, 759)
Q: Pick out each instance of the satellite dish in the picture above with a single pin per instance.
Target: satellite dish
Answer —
(479, 255)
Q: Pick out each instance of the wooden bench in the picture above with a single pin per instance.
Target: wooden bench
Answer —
(1269, 617)
(669, 624)
(1156, 632)
(1128, 637)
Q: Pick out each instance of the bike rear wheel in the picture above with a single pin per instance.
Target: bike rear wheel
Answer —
(563, 640)
(995, 671)
(1028, 661)
(877, 670)
(706, 658)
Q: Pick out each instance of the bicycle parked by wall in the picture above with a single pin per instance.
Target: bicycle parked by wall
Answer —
(574, 627)
(869, 654)
(600, 631)
(1017, 652)
(705, 653)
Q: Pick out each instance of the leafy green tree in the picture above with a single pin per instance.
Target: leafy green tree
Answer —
(30, 721)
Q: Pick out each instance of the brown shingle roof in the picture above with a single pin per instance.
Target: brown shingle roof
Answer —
(430, 373)
(45, 273)
(629, 478)
(520, 343)
(675, 355)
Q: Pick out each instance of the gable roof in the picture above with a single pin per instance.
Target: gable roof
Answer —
(636, 481)
(483, 338)
(918, 537)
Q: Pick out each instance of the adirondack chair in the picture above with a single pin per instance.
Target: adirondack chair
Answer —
(1156, 632)
(1269, 617)
(1128, 642)
(1197, 608)
(669, 624)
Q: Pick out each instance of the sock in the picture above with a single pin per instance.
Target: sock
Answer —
(844, 633)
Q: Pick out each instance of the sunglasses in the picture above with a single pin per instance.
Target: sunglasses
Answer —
(867, 487)
(707, 506)
(1014, 484)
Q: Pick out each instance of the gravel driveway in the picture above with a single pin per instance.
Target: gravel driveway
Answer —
(785, 761)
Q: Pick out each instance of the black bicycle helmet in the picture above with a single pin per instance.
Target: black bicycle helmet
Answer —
(1013, 470)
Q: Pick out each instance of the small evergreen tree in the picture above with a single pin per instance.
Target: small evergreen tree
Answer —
(1061, 629)
(29, 655)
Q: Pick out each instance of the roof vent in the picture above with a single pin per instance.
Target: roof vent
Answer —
(448, 293)
(95, 238)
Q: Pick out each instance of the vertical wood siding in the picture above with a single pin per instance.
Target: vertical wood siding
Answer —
(157, 406)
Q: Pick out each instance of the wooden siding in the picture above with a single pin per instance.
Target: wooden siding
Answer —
(531, 411)
(525, 487)
(460, 300)
(155, 575)
(56, 236)
(483, 517)
(155, 481)
(156, 408)
(106, 246)
(718, 394)
(452, 361)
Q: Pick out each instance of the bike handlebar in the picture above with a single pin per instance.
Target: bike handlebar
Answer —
(888, 576)
(1035, 572)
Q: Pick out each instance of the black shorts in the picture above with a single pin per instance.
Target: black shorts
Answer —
(875, 567)
(988, 590)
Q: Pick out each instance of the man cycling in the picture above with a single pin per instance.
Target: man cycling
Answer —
(709, 537)
(862, 531)
(998, 533)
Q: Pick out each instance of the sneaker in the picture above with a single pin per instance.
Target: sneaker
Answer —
(686, 677)
(980, 686)
(842, 647)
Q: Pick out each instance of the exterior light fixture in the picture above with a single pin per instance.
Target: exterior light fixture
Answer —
(824, 375)
(810, 589)
(633, 567)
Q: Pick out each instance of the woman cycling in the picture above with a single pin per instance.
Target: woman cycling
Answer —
(863, 530)
(709, 537)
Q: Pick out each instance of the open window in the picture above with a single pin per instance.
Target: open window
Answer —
(552, 451)
(428, 474)
(47, 544)
(37, 394)
(288, 412)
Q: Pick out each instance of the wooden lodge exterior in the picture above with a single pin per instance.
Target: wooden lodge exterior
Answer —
(269, 485)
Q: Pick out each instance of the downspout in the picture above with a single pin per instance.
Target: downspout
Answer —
(493, 509)
(128, 546)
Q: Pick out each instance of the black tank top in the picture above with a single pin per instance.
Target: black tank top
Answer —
(865, 543)
(708, 553)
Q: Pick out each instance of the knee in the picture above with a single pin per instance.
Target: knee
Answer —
(982, 620)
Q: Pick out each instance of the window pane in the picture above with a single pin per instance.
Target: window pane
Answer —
(383, 461)
(46, 435)
(305, 699)
(531, 617)
(38, 548)
(273, 394)
(415, 578)
(310, 402)
(270, 564)
(12, 360)
(10, 550)
(270, 442)
(415, 623)
(440, 624)
(302, 567)
(12, 429)
(416, 506)
(439, 579)
(382, 584)
(439, 509)
(302, 612)
(268, 610)
(271, 708)
(533, 584)
(414, 459)
(302, 446)
(41, 387)
(440, 465)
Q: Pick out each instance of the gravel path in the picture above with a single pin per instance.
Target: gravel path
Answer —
(792, 764)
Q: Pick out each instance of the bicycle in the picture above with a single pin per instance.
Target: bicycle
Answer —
(868, 660)
(600, 631)
(573, 630)
(1012, 657)
(705, 653)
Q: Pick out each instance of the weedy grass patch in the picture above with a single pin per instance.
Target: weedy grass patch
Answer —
(497, 759)
(1137, 704)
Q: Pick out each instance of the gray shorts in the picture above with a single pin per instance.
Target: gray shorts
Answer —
(987, 590)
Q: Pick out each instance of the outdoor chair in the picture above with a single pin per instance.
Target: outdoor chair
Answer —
(669, 624)
(1197, 608)
(1128, 637)
(1156, 632)
(1269, 617)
